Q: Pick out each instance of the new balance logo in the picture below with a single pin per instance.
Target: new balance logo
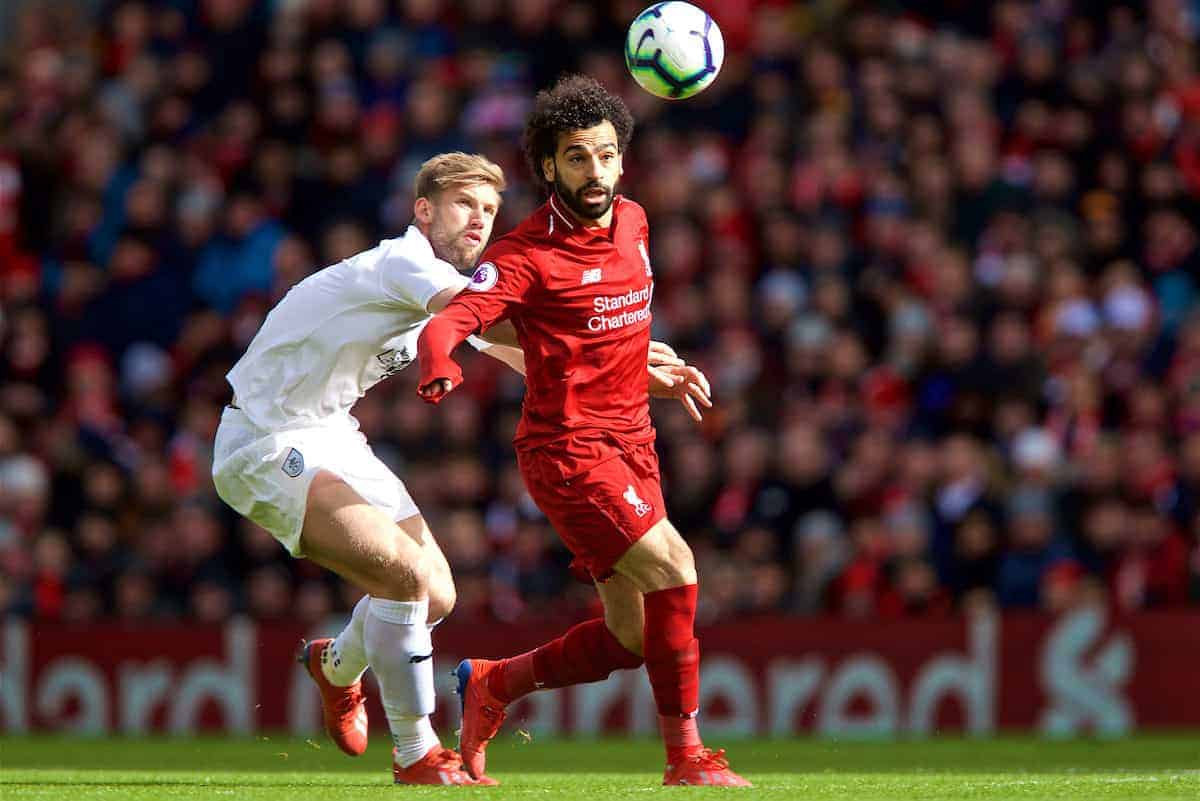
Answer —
(591, 277)
(640, 507)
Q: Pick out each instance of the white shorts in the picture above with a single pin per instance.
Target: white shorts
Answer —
(265, 475)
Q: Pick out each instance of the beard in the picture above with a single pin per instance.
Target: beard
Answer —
(452, 247)
(576, 203)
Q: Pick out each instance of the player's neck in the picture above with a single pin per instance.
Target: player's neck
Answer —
(603, 221)
(600, 222)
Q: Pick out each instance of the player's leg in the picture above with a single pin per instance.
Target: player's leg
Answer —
(624, 612)
(439, 582)
(390, 560)
(588, 652)
(346, 658)
(362, 544)
(359, 543)
(659, 560)
(662, 567)
(341, 512)
(265, 480)
(336, 666)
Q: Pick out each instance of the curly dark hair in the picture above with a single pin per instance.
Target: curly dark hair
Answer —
(574, 102)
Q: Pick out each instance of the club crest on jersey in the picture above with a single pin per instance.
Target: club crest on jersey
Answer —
(645, 256)
(640, 507)
(393, 361)
(485, 277)
(293, 463)
(591, 277)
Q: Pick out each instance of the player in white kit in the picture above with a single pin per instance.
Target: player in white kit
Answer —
(289, 456)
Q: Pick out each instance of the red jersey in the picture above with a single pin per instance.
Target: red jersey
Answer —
(579, 299)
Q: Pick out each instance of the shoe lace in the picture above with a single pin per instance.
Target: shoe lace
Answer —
(709, 759)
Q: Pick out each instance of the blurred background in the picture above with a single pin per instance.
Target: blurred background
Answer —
(940, 261)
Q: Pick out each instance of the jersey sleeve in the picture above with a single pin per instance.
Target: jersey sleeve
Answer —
(503, 282)
(413, 280)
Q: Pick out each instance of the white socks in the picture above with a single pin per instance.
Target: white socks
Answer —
(345, 659)
(399, 650)
(387, 635)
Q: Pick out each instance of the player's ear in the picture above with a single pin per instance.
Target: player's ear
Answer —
(423, 210)
(548, 168)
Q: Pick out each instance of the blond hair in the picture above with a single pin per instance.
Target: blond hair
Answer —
(457, 169)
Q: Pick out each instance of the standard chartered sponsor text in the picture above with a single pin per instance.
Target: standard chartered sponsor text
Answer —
(610, 303)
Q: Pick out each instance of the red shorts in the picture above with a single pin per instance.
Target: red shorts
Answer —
(599, 512)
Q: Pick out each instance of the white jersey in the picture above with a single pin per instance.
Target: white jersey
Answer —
(339, 332)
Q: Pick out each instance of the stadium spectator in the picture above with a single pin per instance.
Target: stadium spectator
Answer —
(940, 261)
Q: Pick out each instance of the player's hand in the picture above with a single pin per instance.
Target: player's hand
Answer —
(661, 355)
(435, 390)
(683, 382)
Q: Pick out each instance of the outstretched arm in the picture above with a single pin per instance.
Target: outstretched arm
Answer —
(445, 331)
(496, 291)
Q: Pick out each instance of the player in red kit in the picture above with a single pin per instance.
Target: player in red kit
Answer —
(576, 282)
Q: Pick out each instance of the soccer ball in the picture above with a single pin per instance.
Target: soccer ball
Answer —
(674, 50)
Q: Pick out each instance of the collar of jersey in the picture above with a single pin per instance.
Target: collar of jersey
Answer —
(413, 234)
(563, 224)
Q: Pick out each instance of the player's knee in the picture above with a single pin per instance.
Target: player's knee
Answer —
(675, 562)
(660, 560)
(400, 571)
(683, 562)
(628, 628)
(442, 597)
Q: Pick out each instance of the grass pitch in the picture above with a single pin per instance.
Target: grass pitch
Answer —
(1146, 768)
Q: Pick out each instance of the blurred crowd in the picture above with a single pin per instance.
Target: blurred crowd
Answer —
(940, 260)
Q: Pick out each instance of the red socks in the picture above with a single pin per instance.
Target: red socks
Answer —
(672, 652)
(673, 663)
(589, 652)
(586, 653)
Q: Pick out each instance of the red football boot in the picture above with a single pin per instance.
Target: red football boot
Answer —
(343, 708)
(482, 713)
(440, 765)
(704, 767)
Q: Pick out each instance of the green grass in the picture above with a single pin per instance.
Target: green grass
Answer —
(1145, 768)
